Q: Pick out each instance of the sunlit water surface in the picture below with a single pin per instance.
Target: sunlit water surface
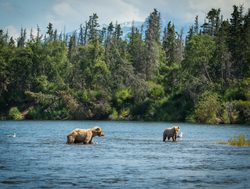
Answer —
(131, 155)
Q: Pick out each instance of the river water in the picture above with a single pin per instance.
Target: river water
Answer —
(130, 155)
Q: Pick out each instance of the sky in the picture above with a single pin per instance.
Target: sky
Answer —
(69, 14)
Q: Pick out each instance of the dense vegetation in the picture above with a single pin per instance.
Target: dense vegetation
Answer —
(151, 75)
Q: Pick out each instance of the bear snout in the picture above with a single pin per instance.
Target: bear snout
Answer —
(101, 134)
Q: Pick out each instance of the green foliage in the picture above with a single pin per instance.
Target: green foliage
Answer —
(199, 51)
(152, 48)
(207, 109)
(100, 75)
(15, 114)
(156, 91)
(176, 108)
(92, 104)
(114, 115)
(124, 113)
(244, 111)
(239, 140)
(232, 93)
(122, 95)
(33, 114)
(224, 115)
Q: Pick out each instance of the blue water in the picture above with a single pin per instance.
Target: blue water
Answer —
(131, 155)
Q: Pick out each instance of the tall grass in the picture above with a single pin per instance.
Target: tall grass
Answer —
(238, 140)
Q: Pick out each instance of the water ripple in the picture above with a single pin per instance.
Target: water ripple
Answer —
(131, 155)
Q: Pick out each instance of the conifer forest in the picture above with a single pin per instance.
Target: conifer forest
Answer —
(155, 73)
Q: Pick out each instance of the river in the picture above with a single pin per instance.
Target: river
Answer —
(130, 155)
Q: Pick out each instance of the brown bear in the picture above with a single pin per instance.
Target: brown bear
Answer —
(84, 136)
(171, 133)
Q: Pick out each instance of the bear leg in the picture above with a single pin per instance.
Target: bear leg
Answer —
(70, 139)
(174, 138)
(164, 138)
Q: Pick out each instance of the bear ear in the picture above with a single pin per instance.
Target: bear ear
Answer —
(97, 128)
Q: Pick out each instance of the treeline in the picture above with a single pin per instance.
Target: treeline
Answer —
(97, 74)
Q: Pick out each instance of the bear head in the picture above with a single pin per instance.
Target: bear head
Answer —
(97, 131)
(177, 130)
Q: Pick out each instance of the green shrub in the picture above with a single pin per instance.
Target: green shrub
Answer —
(114, 115)
(15, 114)
(125, 113)
(232, 111)
(244, 111)
(208, 108)
(123, 95)
(225, 117)
(239, 140)
(191, 118)
(156, 91)
(33, 113)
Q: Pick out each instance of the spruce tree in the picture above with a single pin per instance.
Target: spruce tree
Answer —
(152, 45)
(169, 44)
(72, 46)
(246, 49)
(196, 25)
(81, 35)
(50, 31)
(93, 26)
(22, 39)
(135, 49)
(236, 43)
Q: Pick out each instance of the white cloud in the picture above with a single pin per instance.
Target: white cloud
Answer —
(184, 11)
(12, 31)
(72, 13)
(226, 6)
(65, 9)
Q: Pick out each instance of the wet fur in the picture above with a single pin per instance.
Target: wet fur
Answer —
(84, 136)
(170, 133)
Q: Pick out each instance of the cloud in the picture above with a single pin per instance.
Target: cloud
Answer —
(12, 31)
(65, 9)
(184, 11)
(72, 13)
(226, 6)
